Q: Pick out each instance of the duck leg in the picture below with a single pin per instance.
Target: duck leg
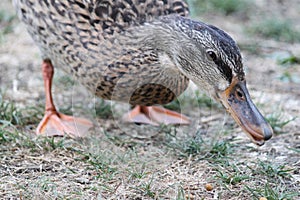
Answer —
(53, 122)
(154, 115)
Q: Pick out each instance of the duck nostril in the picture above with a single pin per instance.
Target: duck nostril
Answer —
(240, 95)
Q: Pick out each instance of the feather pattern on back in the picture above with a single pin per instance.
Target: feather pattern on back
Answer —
(87, 38)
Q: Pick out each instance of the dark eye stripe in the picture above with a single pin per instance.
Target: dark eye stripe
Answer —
(224, 69)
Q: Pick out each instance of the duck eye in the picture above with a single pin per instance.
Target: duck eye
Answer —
(212, 55)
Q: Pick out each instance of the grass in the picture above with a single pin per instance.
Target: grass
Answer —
(138, 173)
(99, 163)
(287, 77)
(16, 116)
(103, 109)
(7, 134)
(289, 63)
(271, 170)
(278, 121)
(276, 181)
(53, 143)
(184, 148)
(278, 192)
(47, 185)
(228, 172)
(180, 194)
(231, 177)
(146, 189)
(276, 28)
(105, 167)
(32, 115)
(265, 179)
(220, 149)
(201, 149)
(9, 113)
(290, 60)
(187, 100)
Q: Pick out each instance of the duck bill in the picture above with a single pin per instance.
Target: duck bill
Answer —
(238, 103)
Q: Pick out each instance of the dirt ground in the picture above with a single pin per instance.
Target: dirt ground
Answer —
(121, 161)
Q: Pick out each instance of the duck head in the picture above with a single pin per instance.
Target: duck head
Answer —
(212, 60)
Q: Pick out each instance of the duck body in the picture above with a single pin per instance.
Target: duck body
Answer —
(142, 52)
(87, 40)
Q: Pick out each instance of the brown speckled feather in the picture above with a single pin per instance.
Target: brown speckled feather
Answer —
(89, 39)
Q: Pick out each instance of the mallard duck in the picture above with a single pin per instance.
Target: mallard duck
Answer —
(143, 52)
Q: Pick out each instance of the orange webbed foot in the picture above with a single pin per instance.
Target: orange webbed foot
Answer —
(58, 124)
(155, 115)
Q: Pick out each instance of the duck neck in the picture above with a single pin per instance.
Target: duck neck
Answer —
(174, 36)
(169, 34)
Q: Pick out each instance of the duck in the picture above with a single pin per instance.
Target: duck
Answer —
(142, 52)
